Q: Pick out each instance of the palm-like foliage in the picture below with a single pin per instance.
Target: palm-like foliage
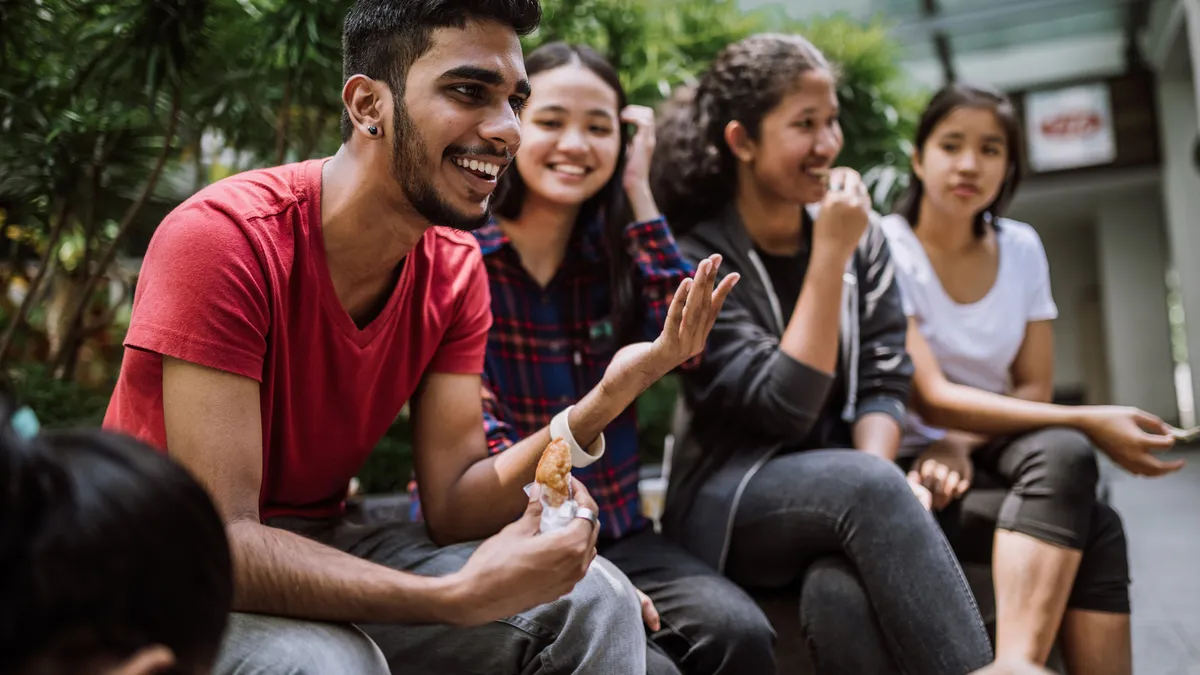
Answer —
(113, 111)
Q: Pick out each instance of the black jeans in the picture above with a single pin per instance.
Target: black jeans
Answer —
(882, 591)
(1043, 484)
(709, 626)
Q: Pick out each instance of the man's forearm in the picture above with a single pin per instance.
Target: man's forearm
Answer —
(281, 573)
(490, 496)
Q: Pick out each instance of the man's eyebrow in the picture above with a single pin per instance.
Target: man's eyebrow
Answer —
(486, 76)
(594, 112)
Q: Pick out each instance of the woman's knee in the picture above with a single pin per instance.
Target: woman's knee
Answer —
(1061, 461)
(878, 486)
(1102, 582)
(857, 475)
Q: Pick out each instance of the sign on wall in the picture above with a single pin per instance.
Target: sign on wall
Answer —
(1070, 127)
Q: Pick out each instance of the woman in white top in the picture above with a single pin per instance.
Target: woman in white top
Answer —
(1013, 476)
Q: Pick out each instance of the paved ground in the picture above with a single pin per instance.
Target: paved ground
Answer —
(1162, 517)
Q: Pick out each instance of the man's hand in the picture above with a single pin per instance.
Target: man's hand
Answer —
(1130, 437)
(649, 612)
(519, 569)
(945, 469)
(690, 318)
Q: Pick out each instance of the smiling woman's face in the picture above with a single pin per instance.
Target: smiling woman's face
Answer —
(570, 135)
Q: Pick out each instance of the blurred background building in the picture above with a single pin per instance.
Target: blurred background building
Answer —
(1107, 93)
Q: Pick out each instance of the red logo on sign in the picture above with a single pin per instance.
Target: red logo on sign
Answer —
(1078, 123)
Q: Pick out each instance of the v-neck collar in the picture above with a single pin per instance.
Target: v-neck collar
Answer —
(319, 267)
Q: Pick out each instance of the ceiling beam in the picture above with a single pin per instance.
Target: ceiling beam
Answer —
(929, 25)
(941, 42)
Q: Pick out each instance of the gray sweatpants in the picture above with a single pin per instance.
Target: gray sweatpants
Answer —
(596, 629)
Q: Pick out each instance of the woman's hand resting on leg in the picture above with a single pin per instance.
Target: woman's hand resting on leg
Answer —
(945, 468)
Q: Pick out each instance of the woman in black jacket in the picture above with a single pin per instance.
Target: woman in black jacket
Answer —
(805, 365)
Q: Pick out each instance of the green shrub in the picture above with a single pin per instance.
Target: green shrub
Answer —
(57, 403)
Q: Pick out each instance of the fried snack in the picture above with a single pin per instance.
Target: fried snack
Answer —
(554, 472)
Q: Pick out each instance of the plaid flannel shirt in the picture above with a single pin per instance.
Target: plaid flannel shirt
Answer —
(549, 346)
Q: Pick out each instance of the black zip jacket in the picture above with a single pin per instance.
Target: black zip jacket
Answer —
(746, 401)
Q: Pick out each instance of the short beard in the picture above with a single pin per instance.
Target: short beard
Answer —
(408, 151)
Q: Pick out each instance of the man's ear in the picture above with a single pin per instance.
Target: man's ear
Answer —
(365, 101)
(737, 137)
(150, 660)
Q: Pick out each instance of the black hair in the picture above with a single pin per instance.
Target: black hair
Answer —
(106, 547)
(609, 203)
(383, 38)
(693, 173)
(947, 100)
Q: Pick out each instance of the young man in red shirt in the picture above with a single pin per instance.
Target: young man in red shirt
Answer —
(284, 317)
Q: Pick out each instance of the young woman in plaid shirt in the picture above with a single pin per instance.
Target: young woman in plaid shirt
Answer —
(582, 269)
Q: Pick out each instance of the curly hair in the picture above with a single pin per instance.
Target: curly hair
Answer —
(693, 172)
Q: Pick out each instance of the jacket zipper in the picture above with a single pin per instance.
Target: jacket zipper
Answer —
(777, 311)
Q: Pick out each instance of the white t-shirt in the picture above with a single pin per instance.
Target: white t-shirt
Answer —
(976, 343)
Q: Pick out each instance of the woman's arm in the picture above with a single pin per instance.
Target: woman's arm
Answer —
(659, 268)
(1033, 370)
(884, 367)
(745, 378)
(1127, 435)
(943, 403)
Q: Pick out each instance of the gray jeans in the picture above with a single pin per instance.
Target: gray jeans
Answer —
(597, 628)
(881, 590)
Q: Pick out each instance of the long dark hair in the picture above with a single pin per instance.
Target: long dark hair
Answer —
(609, 203)
(694, 171)
(947, 100)
(106, 547)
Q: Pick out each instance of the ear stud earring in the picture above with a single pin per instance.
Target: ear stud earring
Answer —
(372, 130)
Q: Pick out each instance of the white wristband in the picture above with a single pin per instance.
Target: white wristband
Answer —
(579, 457)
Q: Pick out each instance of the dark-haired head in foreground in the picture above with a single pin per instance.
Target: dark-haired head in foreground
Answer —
(112, 558)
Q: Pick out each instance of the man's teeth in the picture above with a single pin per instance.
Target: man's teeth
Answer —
(476, 165)
(572, 169)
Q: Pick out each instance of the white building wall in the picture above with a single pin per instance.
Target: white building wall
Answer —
(1179, 127)
(1070, 251)
(1131, 250)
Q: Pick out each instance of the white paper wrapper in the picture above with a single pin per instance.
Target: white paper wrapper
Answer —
(554, 518)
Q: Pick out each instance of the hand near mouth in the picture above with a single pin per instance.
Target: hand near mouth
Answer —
(844, 216)
(636, 178)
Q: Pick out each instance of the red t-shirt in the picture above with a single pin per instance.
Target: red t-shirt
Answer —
(235, 278)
